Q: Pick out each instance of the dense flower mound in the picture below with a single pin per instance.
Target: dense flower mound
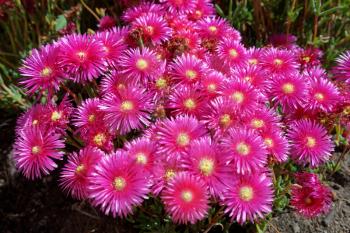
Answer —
(173, 107)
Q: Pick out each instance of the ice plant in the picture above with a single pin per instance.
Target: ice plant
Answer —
(186, 198)
(176, 108)
(117, 185)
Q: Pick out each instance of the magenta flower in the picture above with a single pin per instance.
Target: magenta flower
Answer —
(152, 28)
(98, 136)
(279, 61)
(249, 197)
(106, 22)
(58, 116)
(117, 185)
(311, 143)
(204, 8)
(188, 69)
(113, 83)
(310, 198)
(232, 53)
(186, 198)
(75, 174)
(33, 117)
(246, 150)
(113, 46)
(142, 151)
(289, 90)
(177, 134)
(132, 13)
(129, 110)
(205, 160)
(322, 95)
(342, 69)
(283, 41)
(212, 83)
(262, 119)
(140, 65)
(186, 101)
(179, 7)
(213, 28)
(252, 74)
(82, 56)
(42, 70)
(36, 151)
(276, 144)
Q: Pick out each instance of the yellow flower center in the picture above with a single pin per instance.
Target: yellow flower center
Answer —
(206, 166)
(191, 74)
(306, 59)
(242, 148)
(278, 62)
(225, 120)
(161, 83)
(190, 104)
(198, 13)
(310, 142)
(169, 174)
(212, 28)
(268, 142)
(81, 55)
(248, 78)
(308, 201)
(187, 196)
(127, 105)
(319, 96)
(141, 64)
(257, 123)
(346, 110)
(80, 168)
(183, 139)
(46, 72)
(246, 193)
(55, 116)
(150, 30)
(35, 122)
(141, 158)
(238, 97)
(288, 88)
(119, 183)
(36, 149)
(99, 139)
(253, 61)
(211, 87)
(91, 118)
(233, 53)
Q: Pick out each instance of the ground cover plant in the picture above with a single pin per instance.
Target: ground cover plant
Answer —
(173, 116)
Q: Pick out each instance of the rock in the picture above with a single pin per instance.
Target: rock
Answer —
(327, 221)
(296, 228)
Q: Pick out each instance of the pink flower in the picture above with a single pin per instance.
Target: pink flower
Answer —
(33, 117)
(140, 65)
(310, 142)
(58, 116)
(276, 144)
(205, 160)
(310, 197)
(232, 52)
(36, 151)
(262, 119)
(186, 101)
(249, 197)
(252, 74)
(342, 69)
(179, 6)
(246, 150)
(213, 28)
(113, 46)
(289, 90)
(82, 56)
(279, 61)
(98, 136)
(142, 151)
(128, 110)
(42, 70)
(75, 174)
(283, 41)
(132, 13)
(117, 185)
(204, 8)
(152, 28)
(177, 134)
(106, 22)
(186, 198)
(212, 83)
(113, 83)
(322, 95)
(188, 69)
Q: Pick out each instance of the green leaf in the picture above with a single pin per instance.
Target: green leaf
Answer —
(60, 22)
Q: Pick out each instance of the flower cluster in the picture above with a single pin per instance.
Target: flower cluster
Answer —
(175, 105)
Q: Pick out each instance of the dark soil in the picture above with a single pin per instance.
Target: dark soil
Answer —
(40, 206)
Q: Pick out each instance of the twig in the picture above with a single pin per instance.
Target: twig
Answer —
(90, 10)
(274, 227)
(71, 93)
(341, 157)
